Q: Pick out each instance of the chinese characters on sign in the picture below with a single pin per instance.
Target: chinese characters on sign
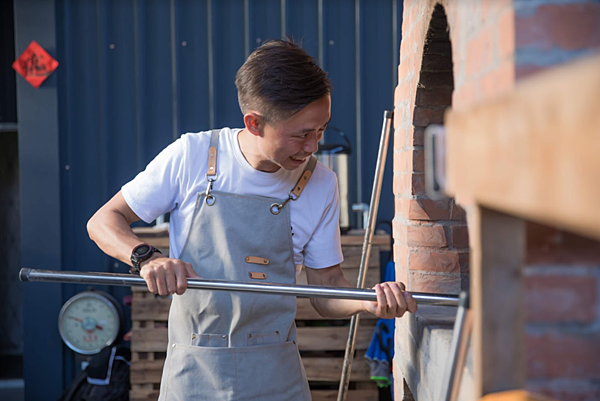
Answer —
(35, 64)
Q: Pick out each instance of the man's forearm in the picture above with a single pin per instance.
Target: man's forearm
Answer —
(338, 308)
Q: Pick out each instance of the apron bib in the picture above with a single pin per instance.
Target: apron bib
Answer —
(233, 345)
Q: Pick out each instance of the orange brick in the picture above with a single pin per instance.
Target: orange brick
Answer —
(434, 283)
(400, 184)
(426, 209)
(571, 26)
(563, 355)
(405, 161)
(427, 236)
(434, 261)
(401, 136)
(458, 213)
(561, 298)
(401, 264)
(548, 245)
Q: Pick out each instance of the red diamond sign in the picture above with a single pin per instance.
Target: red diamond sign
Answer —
(35, 64)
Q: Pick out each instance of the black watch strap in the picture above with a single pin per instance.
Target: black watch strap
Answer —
(139, 254)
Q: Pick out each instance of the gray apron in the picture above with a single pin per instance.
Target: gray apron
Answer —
(231, 345)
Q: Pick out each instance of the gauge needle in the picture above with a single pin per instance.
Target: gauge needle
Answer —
(81, 321)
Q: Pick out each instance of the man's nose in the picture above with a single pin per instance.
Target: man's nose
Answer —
(311, 144)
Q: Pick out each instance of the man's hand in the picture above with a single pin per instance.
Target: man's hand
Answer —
(392, 301)
(166, 276)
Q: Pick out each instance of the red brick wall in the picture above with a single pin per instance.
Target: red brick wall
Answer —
(563, 270)
(471, 61)
(562, 303)
(489, 45)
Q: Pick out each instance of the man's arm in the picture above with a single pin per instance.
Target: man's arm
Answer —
(392, 300)
(110, 229)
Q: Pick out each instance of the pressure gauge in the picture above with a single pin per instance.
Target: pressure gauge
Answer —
(90, 321)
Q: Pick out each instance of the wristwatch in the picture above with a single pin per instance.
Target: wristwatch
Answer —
(139, 254)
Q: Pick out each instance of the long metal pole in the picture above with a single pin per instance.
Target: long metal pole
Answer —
(461, 336)
(130, 280)
(388, 116)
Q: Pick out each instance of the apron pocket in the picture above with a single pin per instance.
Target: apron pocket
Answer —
(209, 340)
(271, 373)
(201, 373)
(263, 338)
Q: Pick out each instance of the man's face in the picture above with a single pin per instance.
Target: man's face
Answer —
(288, 143)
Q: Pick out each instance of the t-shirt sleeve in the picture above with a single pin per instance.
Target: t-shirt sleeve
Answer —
(156, 190)
(324, 248)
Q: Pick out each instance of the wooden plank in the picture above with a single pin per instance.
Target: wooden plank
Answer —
(332, 338)
(149, 339)
(533, 152)
(381, 239)
(143, 394)
(352, 395)
(497, 257)
(143, 372)
(149, 307)
(158, 238)
(330, 369)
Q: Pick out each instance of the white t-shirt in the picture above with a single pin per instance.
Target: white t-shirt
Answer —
(173, 179)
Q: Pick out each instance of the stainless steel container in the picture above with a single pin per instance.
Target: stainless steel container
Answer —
(334, 151)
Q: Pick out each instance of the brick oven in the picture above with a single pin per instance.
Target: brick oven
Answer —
(456, 54)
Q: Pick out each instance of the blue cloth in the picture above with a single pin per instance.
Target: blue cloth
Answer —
(381, 350)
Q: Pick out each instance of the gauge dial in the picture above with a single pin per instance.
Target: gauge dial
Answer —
(89, 321)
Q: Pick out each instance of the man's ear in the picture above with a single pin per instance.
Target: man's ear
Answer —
(254, 123)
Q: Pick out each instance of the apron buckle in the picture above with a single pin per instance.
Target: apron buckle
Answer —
(210, 199)
(276, 207)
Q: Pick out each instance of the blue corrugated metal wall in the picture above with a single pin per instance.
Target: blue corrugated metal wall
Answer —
(136, 74)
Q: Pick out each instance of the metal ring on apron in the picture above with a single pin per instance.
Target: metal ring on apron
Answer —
(276, 207)
(210, 199)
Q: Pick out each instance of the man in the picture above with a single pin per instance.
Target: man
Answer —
(246, 204)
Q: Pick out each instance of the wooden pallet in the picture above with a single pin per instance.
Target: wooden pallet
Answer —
(321, 342)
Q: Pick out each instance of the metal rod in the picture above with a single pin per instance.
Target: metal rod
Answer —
(130, 280)
(461, 337)
(388, 116)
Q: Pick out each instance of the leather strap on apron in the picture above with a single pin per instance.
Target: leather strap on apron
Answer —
(211, 176)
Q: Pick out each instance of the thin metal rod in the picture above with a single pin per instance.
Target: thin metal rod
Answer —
(461, 337)
(130, 280)
(388, 116)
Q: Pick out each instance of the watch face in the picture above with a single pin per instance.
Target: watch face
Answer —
(141, 250)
